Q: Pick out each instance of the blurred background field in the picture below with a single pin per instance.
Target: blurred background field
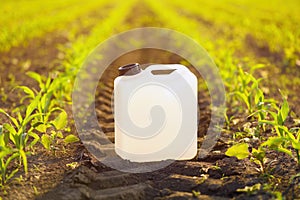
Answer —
(259, 31)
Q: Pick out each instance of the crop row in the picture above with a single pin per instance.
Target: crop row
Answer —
(259, 27)
(21, 27)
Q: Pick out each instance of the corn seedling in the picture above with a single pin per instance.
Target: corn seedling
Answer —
(258, 156)
(285, 144)
(7, 155)
(279, 117)
(47, 109)
(14, 137)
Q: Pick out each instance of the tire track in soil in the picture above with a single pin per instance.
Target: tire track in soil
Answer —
(93, 180)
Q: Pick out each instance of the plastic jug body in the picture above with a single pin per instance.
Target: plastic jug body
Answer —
(156, 114)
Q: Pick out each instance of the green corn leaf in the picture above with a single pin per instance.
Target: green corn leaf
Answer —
(36, 123)
(257, 112)
(285, 150)
(55, 109)
(71, 139)
(11, 174)
(35, 140)
(296, 145)
(250, 189)
(273, 114)
(291, 137)
(12, 133)
(255, 67)
(284, 128)
(20, 118)
(244, 98)
(5, 138)
(273, 101)
(2, 139)
(23, 99)
(259, 96)
(294, 140)
(60, 135)
(32, 106)
(10, 129)
(29, 118)
(274, 142)
(38, 78)
(60, 121)
(284, 111)
(24, 160)
(279, 119)
(16, 138)
(42, 128)
(48, 82)
(11, 158)
(4, 151)
(259, 154)
(239, 150)
(267, 122)
(55, 83)
(27, 91)
(14, 120)
(45, 101)
(46, 141)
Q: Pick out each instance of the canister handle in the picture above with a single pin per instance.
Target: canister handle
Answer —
(165, 67)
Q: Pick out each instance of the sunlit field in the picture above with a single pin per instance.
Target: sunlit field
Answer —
(255, 45)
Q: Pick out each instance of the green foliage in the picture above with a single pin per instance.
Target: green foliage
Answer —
(290, 141)
(46, 141)
(70, 139)
(258, 156)
(250, 189)
(261, 29)
(61, 121)
(18, 26)
(6, 157)
(238, 150)
(47, 108)
(286, 138)
(241, 151)
(14, 137)
(279, 118)
(247, 89)
(40, 115)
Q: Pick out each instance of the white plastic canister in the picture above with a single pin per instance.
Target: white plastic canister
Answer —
(155, 113)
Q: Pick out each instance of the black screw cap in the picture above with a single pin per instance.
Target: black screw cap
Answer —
(130, 69)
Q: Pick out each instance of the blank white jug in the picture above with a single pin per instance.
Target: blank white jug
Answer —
(155, 113)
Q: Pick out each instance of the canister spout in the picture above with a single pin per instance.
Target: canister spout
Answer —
(130, 69)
